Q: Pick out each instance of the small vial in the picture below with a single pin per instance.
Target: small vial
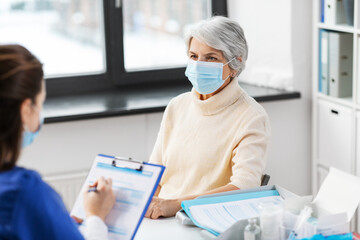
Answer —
(252, 231)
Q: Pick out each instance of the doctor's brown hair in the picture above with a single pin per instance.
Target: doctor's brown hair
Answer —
(21, 77)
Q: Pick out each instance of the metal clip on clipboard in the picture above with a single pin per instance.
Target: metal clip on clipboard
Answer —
(122, 162)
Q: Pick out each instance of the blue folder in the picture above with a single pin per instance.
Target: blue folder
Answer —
(221, 199)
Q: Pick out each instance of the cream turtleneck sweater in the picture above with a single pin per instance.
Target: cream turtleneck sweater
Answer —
(206, 144)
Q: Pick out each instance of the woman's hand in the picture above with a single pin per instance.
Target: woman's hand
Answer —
(101, 201)
(163, 208)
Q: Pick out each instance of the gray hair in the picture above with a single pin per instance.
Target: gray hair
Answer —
(223, 34)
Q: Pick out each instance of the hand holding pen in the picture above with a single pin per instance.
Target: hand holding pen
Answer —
(99, 198)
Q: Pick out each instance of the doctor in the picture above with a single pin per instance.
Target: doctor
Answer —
(214, 138)
(29, 208)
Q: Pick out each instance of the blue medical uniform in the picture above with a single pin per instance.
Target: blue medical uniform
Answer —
(30, 209)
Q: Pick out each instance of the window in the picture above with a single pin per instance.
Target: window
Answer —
(154, 31)
(100, 44)
(68, 36)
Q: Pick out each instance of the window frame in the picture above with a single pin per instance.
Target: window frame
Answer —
(115, 75)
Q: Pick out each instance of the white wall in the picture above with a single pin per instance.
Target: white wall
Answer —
(72, 146)
(267, 27)
(289, 150)
(282, 29)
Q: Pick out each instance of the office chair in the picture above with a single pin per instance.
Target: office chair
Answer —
(265, 179)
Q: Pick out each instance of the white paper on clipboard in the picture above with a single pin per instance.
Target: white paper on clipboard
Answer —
(134, 190)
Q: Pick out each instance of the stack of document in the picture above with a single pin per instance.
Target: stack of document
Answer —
(218, 213)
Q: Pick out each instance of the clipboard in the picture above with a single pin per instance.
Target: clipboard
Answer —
(134, 184)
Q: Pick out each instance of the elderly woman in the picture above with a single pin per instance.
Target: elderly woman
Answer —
(214, 138)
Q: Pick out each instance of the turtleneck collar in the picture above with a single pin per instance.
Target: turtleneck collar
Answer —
(230, 94)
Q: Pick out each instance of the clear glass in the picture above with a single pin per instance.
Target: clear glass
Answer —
(66, 35)
(154, 31)
(252, 231)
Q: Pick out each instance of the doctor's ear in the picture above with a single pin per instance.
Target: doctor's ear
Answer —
(239, 58)
(25, 110)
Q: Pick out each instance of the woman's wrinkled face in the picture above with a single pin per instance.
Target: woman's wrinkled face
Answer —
(199, 51)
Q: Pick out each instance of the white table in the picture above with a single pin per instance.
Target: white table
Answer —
(166, 228)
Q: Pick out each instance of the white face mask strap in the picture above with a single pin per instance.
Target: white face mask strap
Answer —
(229, 61)
(225, 65)
(226, 78)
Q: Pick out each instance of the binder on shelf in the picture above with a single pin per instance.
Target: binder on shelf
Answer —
(340, 64)
(349, 11)
(330, 12)
(324, 62)
(134, 184)
(334, 12)
(322, 11)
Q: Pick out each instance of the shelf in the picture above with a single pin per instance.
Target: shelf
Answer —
(335, 121)
(348, 102)
(343, 101)
(127, 101)
(338, 28)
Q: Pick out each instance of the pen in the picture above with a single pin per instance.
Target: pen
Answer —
(92, 189)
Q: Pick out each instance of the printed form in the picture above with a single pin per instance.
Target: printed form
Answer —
(220, 216)
(133, 190)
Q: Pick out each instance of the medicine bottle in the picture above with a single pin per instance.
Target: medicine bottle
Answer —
(252, 231)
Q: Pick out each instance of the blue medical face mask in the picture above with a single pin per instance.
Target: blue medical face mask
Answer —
(28, 136)
(206, 77)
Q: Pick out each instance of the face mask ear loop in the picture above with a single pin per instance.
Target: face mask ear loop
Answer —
(229, 74)
(41, 116)
(236, 71)
(229, 61)
(226, 78)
